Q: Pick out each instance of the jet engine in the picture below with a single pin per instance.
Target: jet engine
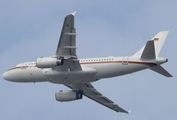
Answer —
(48, 62)
(68, 95)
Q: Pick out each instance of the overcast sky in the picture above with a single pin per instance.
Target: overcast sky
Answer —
(30, 29)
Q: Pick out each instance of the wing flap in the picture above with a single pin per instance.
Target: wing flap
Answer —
(69, 64)
(90, 92)
(98, 97)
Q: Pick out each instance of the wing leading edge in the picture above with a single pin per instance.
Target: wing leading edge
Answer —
(90, 92)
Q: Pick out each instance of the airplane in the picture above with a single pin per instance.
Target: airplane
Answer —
(77, 74)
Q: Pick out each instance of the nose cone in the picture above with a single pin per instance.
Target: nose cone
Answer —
(6, 76)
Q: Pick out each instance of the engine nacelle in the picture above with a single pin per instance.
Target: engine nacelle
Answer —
(68, 95)
(48, 62)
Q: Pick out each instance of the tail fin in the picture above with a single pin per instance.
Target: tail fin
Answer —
(152, 48)
(151, 51)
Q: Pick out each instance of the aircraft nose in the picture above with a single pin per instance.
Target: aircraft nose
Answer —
(5, 76)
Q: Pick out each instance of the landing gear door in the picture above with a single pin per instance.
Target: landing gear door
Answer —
(125, 60)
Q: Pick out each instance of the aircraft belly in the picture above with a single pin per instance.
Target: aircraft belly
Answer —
(26, 75)
(113, 70)
(37, 75)
(61, 77)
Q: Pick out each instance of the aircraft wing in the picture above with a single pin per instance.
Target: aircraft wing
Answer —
(90, 92)
(67, 42)
(66, 48)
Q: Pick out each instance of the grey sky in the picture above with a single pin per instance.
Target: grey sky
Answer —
(30, 29)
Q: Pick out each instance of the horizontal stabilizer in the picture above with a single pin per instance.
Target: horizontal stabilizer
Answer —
(149, 51)
(159, 69)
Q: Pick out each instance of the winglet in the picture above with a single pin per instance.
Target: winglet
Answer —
(73, 13)
(129, 112)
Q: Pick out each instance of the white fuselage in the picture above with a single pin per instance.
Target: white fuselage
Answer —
(92, 70)
(65, 68)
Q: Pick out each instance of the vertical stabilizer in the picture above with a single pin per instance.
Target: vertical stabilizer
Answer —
(158, 41)
(149, 51)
